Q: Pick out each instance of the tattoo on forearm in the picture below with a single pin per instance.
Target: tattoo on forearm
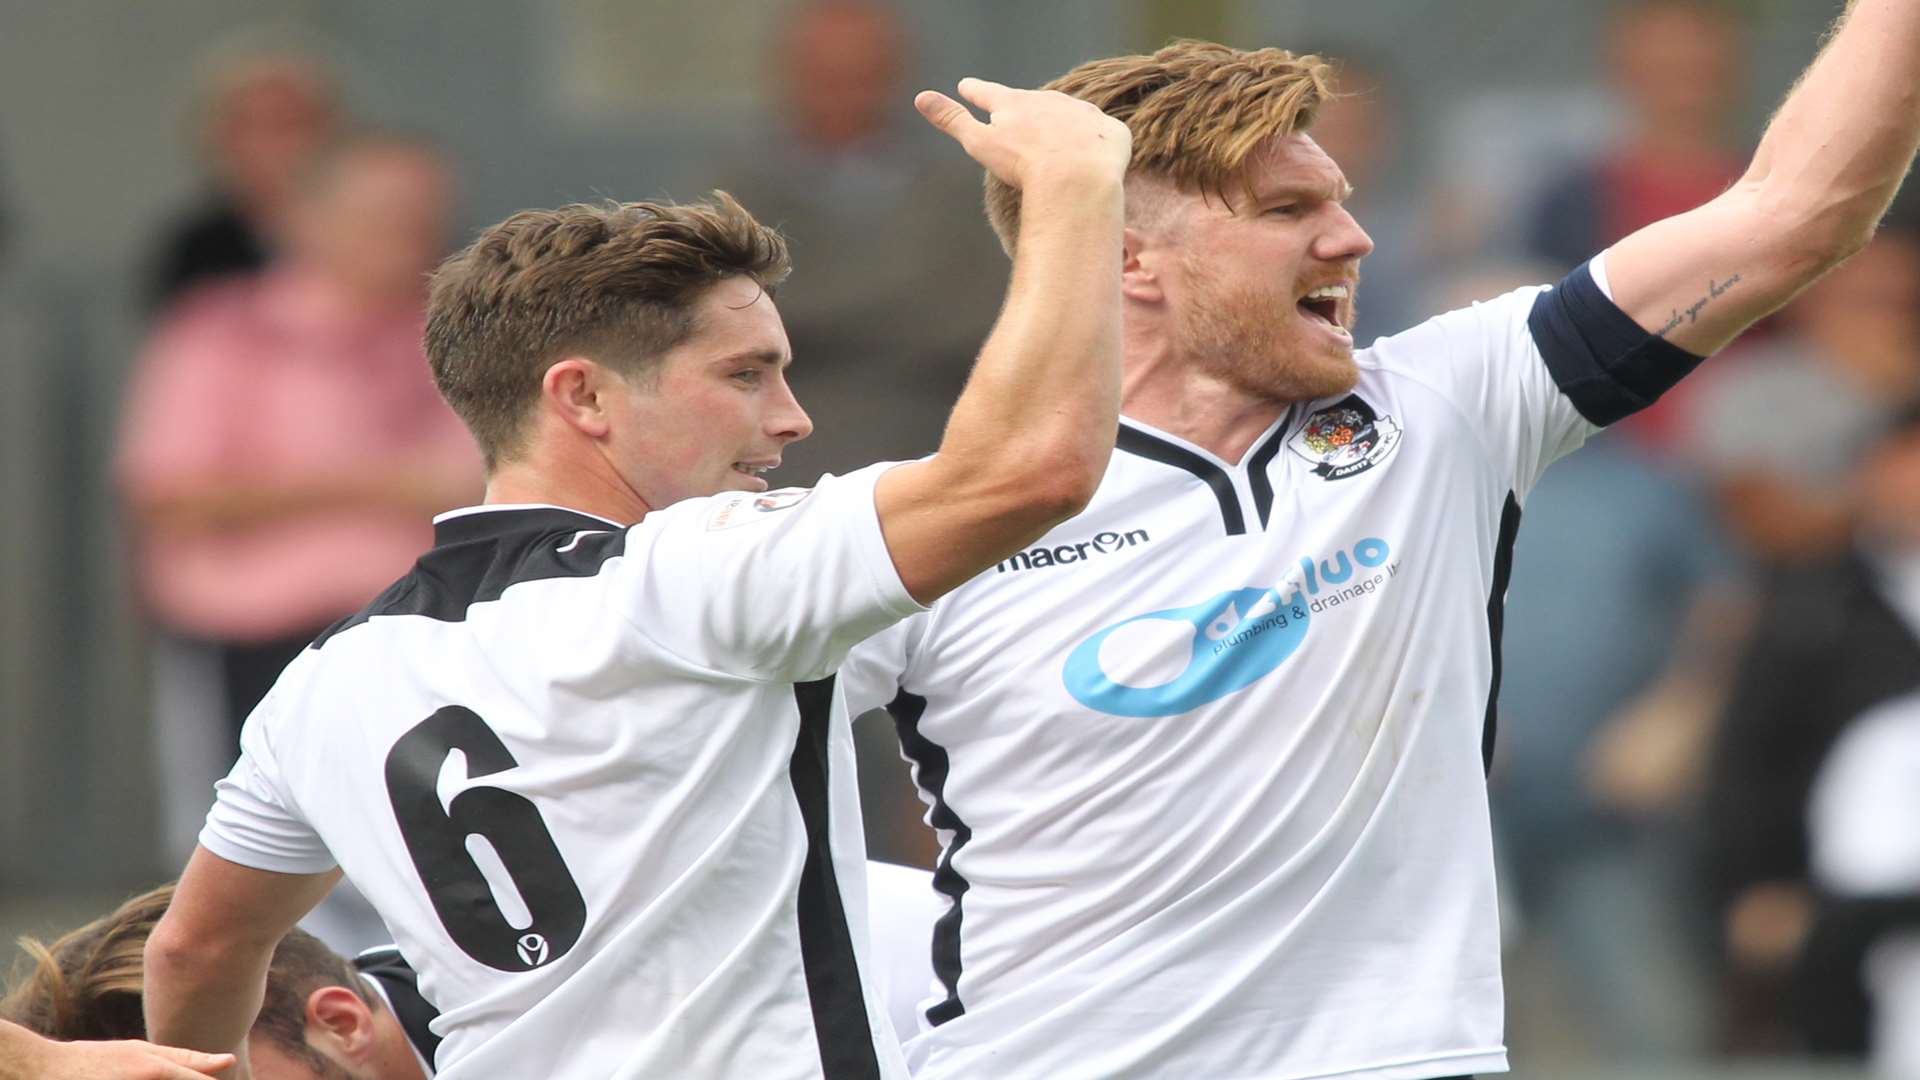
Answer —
(1691, 315)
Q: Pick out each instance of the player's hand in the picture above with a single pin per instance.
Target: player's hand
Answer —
(128, 1060)
(1031, 134)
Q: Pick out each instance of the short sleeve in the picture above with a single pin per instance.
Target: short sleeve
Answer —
(1538, 370)
(775, 585)
(253, 822)
(875, 669)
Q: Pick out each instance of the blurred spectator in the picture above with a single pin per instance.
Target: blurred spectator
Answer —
(1678, 68)
(1779, 432)
(284, 447)
(1866, 861)
(262, 116)
(1858, 984)
(1834, 640)
(1360, 130)
(895, 284)
(1617, 566)
(895, 281)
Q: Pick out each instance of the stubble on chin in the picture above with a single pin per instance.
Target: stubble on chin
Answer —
(1256, 342)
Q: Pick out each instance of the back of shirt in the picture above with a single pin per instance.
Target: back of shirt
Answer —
(599, 785)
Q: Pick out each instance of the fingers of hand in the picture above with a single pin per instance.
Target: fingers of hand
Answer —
(146, 1060)
(1028, 129)
(194, 1059)
(944, 113)
(985, 93)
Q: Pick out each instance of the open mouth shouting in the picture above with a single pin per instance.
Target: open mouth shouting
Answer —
(1329, 306)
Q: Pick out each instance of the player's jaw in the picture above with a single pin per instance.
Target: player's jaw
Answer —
(1288, 344)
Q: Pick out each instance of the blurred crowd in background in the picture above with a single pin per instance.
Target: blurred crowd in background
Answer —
(1712, 638)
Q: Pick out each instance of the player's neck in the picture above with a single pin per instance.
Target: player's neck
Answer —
(1180, 399)
(589, 486)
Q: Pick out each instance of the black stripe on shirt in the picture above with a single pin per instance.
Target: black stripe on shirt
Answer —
(1496, 617)
(1135, 441)
(1601, 359)
(841, 1026)
(1257, 469)
(401, 984)
(931, 766)
(475, 557)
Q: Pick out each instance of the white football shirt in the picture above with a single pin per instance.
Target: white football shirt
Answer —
(1206, 761)
(902, 904)
(902, 908)
(599, 784)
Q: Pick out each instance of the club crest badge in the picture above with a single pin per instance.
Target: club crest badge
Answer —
(1346, 439)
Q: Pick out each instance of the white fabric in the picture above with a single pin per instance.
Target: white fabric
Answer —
(1899, 573)
(649, 706)
(1597, 266)
(1864, 811)
(1864, 830)
(902, 906)
(1291, 878)
(1893, 978)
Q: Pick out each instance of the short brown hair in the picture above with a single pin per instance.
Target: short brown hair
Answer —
(616, 282)
(1197, 111)
(88, 983)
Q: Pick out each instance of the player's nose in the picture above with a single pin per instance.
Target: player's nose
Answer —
(1343, 239)
(787, 421)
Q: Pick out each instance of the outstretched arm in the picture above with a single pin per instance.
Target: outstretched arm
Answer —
(1825, 172)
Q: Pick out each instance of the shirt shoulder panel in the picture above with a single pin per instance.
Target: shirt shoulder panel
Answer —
(479, 556)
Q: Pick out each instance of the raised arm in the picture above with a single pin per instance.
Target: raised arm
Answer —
(1029, 439)
(207, 958)
(1825, 172)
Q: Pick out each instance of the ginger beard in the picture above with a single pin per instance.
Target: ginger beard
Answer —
(1256, 339)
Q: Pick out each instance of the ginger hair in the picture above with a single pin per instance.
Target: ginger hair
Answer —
(1198, 112)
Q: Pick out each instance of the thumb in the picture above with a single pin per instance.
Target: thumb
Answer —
(946, 114)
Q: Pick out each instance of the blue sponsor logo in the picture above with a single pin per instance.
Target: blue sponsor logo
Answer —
(1168, 662)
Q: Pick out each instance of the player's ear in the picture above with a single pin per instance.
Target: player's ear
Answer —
(339, 1023)
(1138, 281)
(574, 390)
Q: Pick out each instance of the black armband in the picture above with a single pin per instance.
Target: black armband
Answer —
(1601, 359)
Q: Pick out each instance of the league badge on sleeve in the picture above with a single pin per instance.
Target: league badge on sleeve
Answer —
(741, 508)
(1346, 439)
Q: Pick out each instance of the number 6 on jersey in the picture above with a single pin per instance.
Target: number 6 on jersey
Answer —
(438, 840)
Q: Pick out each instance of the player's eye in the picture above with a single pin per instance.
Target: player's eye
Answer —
(749, 376)
(1287, 209)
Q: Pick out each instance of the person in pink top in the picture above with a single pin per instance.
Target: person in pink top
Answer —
(283, 448)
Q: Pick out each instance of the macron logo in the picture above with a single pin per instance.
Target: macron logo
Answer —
(1105, 543)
